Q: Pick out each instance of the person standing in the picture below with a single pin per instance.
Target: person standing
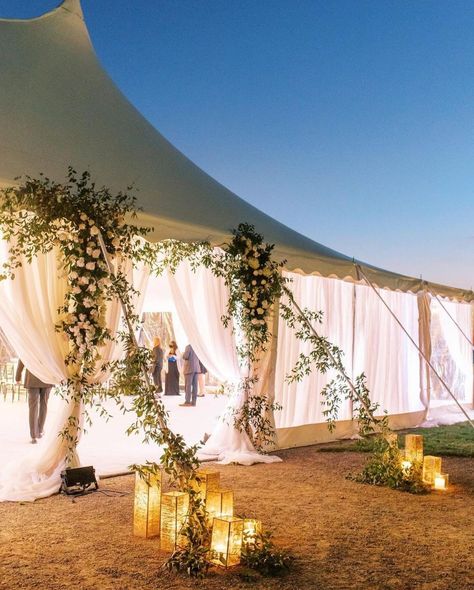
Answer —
(202, 380)
(38, 396)
(172, 373)
(191, 369)
(157, 365)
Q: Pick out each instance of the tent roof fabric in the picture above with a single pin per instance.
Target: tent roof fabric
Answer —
(58, 107)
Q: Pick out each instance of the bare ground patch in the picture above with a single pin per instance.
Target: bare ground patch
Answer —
(345, 535)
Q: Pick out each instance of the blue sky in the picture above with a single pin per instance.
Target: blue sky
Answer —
(350, 121)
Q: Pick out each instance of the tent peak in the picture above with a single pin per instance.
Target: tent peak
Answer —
(72, 6)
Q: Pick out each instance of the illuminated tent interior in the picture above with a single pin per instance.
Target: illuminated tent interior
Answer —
(58, 107)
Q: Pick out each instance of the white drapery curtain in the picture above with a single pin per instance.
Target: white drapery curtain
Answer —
(383, 351)
(28, 314)
(301, 401)
(199, 300)
(452, 353)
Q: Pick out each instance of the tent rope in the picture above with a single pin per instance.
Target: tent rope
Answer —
(428, 362)
(453, 320)
(336, 364)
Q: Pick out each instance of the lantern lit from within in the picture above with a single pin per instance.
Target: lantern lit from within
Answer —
(174, 509)
(147, 505)
(252, 531)
(406, 463)
(431, 468)
(441, 481)
(209, 479)
(219, 503)
(226, 542)
(414, 448)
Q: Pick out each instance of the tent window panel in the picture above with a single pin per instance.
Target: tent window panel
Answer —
(383, 351)
(302, 401)
(451, 353)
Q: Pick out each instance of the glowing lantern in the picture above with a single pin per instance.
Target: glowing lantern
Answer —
(414, 447)
(441, 481)
(147, 505)
(252, 530)
(174, 509)
(406, 465)
(226, 542)
(431, 468)
(209, 479)
(219, 503)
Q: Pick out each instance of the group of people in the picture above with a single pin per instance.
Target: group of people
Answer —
(190, 365)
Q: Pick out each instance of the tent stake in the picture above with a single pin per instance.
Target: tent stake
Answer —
(442, 381)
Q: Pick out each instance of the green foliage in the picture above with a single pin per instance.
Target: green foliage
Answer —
(384, 468)
(265, 558)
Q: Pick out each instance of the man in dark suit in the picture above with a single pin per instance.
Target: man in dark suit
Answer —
(157, 367)
(191, 369)
(38, 395)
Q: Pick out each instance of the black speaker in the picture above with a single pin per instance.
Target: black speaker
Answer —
(78, 481)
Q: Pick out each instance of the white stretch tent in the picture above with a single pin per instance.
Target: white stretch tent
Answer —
(58, 107)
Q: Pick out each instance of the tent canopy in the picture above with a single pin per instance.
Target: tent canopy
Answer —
(58, 107)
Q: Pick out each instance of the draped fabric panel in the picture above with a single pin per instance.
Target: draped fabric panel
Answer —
(452, 353)
(200, 300)
(28, 314)
(301, 401)
(383, 351)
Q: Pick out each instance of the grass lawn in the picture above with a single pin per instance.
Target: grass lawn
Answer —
(456, 440)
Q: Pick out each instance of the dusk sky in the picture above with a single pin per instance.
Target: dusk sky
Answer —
(350, 121)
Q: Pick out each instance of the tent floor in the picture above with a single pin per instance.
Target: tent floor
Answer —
(106, 446)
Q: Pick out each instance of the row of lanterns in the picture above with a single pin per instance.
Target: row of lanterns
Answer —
(431, 474)
(162, 514)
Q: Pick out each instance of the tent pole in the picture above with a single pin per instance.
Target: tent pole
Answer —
(442, 381)
(163, 426)
(453, 320)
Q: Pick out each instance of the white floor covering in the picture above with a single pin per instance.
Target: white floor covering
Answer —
(106, 446)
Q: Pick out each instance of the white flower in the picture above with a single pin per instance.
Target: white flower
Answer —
(83, 280)
(265, 304)
(87, 302)
(94, 230)
(254, 321)
(256, 273)
(96, 253)
(260, 311)
(254, 282)
(90, 265)
(92, 288)
(82, 226)
(80, 262)
(72, 276)
(76, 290)
(83, 217)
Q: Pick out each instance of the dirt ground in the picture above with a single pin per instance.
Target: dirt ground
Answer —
(344, 535)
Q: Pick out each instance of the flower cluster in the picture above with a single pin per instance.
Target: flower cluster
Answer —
(255, 281)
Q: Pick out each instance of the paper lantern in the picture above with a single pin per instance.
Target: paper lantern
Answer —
(414, 447)
(174, 509)
(441, 481)
(147, 505)
(226, 541)
(219, 503)
(209, 479)
(431, 468)
(252, 530)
